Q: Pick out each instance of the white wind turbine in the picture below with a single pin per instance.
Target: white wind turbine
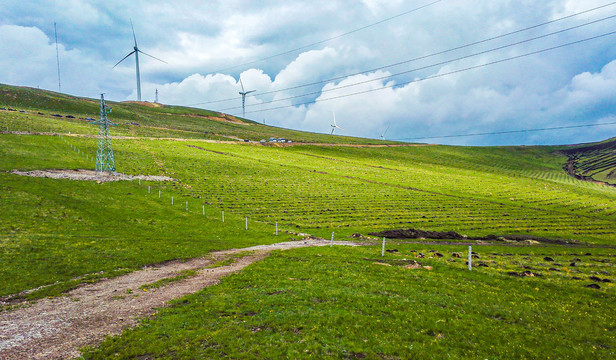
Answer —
(244, 93)
(334, 125)
(383, 134)
(136, 51)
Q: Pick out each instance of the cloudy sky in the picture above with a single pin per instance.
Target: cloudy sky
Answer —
(308, 59)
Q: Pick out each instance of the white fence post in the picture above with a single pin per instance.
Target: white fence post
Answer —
(470, 251)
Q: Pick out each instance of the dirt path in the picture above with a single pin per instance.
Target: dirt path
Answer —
(56, 328)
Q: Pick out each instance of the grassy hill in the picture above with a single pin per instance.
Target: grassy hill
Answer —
(34, 110)
(594, 162)
(58, 233)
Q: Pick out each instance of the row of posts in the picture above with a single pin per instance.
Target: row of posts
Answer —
(470, 251)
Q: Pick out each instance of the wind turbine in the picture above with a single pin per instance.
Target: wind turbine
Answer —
(136, 51)
(334, 125)
(383, 134)
(244, 93)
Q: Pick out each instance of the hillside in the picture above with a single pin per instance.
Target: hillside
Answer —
(593, 162)
(40, 111)
(58, 234)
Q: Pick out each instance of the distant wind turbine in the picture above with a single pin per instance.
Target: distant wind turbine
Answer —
(244, 93)
(136, 51)
(334, 125)
(383, 134)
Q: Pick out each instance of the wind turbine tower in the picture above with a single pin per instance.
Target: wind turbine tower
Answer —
(55, 30)
(104, 153)
(244, 93)
(383, 134)
(334, 125)
(136, 51)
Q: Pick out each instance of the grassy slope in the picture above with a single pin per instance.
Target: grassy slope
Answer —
(594, 161)
(339, 303)
(154, 121)
(54, 230)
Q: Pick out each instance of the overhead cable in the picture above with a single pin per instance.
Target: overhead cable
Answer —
(441, 74)
(421, 68)
(417, 58)
(329, 39)
(506, 131)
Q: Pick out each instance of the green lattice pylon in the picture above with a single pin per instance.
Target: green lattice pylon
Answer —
(104, 153)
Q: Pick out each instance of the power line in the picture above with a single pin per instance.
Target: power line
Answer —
(420, 68)
(329, 39)
(442, 74)
(417, 58)
(506, 131)
(423, 67)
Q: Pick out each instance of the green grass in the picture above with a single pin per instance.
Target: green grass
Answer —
(340, 303)
(60, 229)
(594, 161)
(56, 234)
(141, 120)
(182, 275)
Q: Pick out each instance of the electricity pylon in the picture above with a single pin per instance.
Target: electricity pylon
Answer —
(104, 153)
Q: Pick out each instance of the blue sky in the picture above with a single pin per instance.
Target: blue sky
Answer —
(202, 42)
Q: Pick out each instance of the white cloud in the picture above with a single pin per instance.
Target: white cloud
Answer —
(561, 87)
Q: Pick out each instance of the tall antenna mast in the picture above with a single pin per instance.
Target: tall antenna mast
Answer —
(104, 153)
(57, 57)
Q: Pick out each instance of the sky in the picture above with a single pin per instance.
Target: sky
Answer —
(310, 59)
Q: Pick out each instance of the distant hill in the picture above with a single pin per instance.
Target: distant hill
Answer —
(63, 112)
(594, 162)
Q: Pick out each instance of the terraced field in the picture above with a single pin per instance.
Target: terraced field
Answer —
(594, 162)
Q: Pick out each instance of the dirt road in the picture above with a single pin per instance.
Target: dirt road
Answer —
(57, 328)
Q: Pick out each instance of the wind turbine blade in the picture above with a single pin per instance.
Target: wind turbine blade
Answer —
(132, 52)
(153, 57)
(132, 27)
(242, 84)
(248, 92)
(338, 127)
(334, 114)
(384, 132)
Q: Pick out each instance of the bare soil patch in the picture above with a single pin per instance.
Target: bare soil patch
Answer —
(88, 175)
(452, 235)
(57, 328)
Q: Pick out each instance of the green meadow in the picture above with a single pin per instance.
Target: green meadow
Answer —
(317, 302)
